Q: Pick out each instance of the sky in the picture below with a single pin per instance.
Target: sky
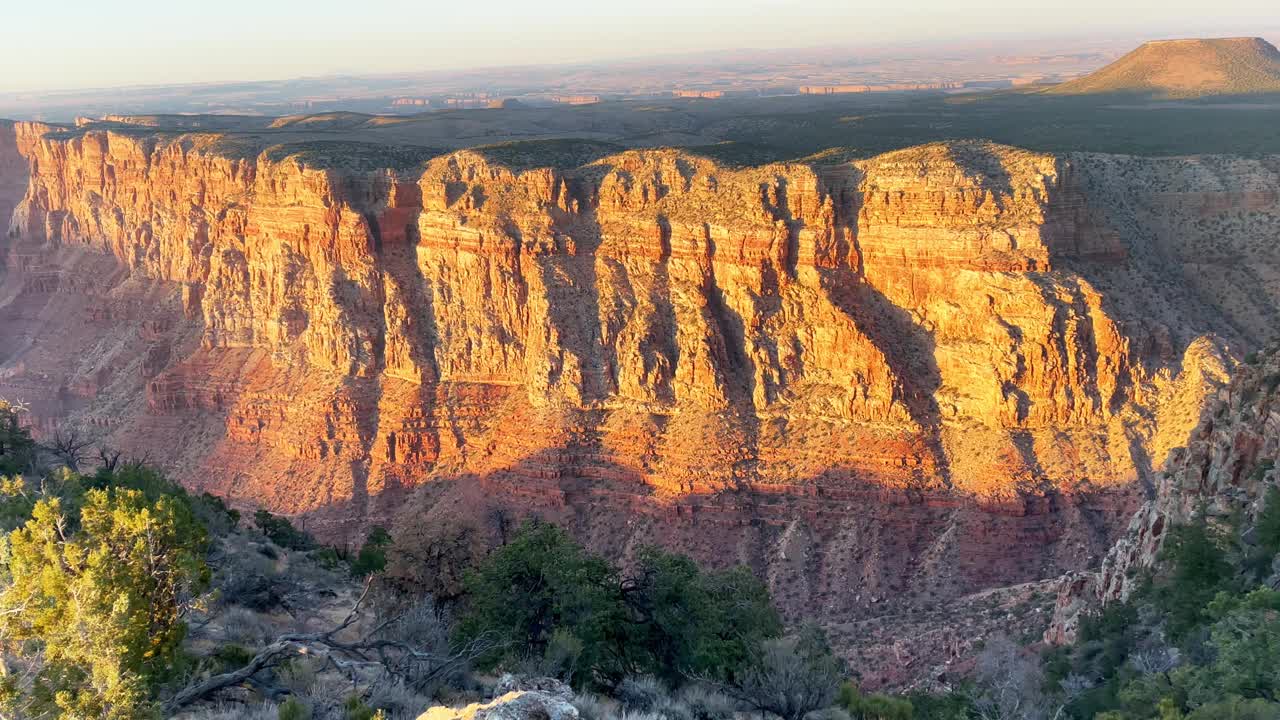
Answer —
(94, 43)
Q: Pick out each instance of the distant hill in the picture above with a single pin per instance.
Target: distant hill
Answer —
(1187, 69)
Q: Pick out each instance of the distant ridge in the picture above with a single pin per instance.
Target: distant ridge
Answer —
(1187, 69)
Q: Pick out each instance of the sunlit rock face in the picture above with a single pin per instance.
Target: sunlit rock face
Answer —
(885, 382)
(1222, 473)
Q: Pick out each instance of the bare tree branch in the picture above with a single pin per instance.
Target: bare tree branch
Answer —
(109, 458)
(269, 657)
(407, 654)
(69, 447)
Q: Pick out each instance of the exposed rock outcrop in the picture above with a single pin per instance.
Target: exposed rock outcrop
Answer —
(1222, 472)
(893, 381)
(516, 699)
(509, 683)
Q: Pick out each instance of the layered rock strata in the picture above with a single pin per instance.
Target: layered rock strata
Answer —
(893, 381)
(1221, 475)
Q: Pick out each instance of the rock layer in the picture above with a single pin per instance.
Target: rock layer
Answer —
(893, 381)
(1221, 474)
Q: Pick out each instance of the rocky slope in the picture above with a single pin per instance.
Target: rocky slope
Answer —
(1222, 472)
(884, 383)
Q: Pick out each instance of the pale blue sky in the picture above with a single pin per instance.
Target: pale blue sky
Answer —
(99, 43)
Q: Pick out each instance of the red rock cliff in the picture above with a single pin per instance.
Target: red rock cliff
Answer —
(863, 379)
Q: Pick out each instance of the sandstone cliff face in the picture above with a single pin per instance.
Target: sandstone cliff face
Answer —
(861, 379)
(1223, 471)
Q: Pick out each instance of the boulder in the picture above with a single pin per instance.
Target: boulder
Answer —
(513, 705)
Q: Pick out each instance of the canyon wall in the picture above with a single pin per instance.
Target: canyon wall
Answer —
(1221, 474)
(883, 383)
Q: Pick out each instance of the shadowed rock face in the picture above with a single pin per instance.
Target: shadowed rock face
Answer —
(889, 382)
(13, 172)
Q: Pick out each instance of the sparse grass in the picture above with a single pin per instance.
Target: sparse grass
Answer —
(245, 627)
(246, 578)
(593, 707)
(707, 704)
(398, 699)
(643, 693)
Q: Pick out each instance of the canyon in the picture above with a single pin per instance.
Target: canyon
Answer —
(887, 384)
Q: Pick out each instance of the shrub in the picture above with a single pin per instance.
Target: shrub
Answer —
(639, 715)
(1237, 708)
(327, 696)
(372, 557)
(232, 656)
(1263, 467)
(16, 502)
(246, 627)
(539, 583)
(872, 707)
(793, 676)
(1009, 682)
(706, 704)
(640, 693)
(592, 707)
(293, 709)
(831, 713)
(396, 698)
(282, 532)
(297, 676)
(355, 709)
(1269, 522)
(1198, 570)
(328, 558)
(263, 711)
(426, 628)
(1106, 638)
(247, 579)
(1224, 622)
(955, 705)
(554, 605)
(434, 559)
(150, 482)
(561, 658)
(671, 708)
(101, 594)
(213, 513)
(688, 623)
(16, 446)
